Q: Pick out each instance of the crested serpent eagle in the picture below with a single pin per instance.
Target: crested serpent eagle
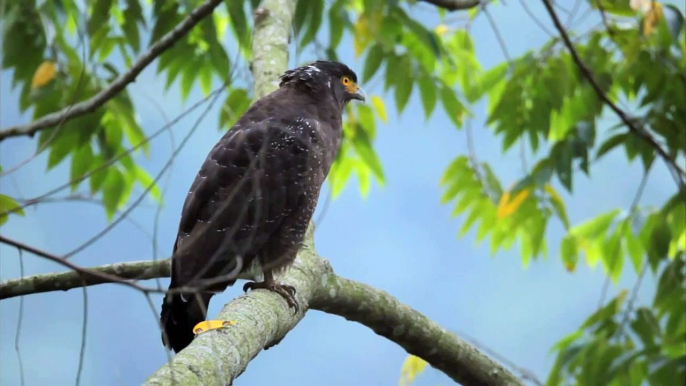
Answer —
(252, 200)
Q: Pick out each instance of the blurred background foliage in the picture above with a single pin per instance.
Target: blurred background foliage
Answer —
(62, 52)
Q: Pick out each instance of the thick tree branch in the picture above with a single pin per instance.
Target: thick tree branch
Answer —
(90, 105)
(638, 131)
(417, 334)
(263, 319)
(454, 5)
(271, 36)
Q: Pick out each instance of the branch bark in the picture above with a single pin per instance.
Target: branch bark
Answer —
(90, 105)
(64, 281)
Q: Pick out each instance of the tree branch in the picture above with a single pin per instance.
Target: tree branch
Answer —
(454, 5)
(64, 281)
(263, 319)
(417, 334)
(640, 132)
(90, 105)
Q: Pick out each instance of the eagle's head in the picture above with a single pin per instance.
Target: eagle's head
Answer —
(324, 76)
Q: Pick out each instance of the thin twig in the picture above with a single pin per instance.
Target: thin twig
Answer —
(536, 20)
(84, 330)
(20, 319)
(121, 82)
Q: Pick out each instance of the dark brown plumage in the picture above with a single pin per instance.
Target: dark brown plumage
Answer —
(255, 194)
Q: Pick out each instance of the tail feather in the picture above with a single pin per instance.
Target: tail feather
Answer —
(179, 315)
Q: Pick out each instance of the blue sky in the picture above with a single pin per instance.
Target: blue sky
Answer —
(399, 239)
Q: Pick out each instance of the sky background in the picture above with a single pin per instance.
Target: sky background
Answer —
(399, 239)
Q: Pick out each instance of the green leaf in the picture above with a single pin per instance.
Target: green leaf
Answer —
(187, 79)
(380, 107)
(315, 21)
(366, 118)
(487, 81)
(220, 61)
(569, 253)
(65, 140)
(557, 204)
(403, 83)
(661, 237)
(427, 91)
(338, 19)
(453, 108)
(113, 188)
(132, 15)
(97, 178)
(613, 256)
(340, 173)
(646, 326)
(239, 22)
(105, 48)
(669, 373)
(146, 181)
(205, 75)
(374, 59)
(491, 181)
(7, 203)
(675, 24)
(606, 312)
(363, 147)
(563, 165)
(634, 248)
(595, 227)
(610, 144)
(99, 16)
(233, 108)
(80, 164)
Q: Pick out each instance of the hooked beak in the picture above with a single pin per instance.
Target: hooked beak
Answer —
(359, 94)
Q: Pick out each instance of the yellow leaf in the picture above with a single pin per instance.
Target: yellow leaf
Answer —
(441, 29)
(652, 16)
(208, 325)
(506, 206)
(44, 74)
(412, 367)
(380, 107)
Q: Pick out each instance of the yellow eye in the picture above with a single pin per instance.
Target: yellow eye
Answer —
(345, 80)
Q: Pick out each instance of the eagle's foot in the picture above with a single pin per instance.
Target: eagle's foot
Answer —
(286, 291)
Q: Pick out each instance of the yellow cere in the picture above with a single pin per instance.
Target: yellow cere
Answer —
(211, 325)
